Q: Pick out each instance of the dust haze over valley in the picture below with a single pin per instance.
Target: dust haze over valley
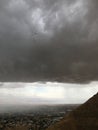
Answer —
(18, 96)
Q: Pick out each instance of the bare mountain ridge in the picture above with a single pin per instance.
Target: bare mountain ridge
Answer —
(85, 117)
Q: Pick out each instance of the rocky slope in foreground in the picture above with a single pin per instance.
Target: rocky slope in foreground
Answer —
(84, 117)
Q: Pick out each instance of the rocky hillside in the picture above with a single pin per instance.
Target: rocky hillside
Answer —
(84, 117)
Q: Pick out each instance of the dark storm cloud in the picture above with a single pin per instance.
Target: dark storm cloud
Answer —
(48, 40)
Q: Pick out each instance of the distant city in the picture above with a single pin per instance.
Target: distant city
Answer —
(38, 118)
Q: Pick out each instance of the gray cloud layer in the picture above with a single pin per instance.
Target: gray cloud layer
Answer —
(48, 40)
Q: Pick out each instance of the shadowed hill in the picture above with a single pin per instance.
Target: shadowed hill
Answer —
(84, 117)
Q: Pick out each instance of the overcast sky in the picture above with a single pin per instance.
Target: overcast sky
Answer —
(51, 40)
